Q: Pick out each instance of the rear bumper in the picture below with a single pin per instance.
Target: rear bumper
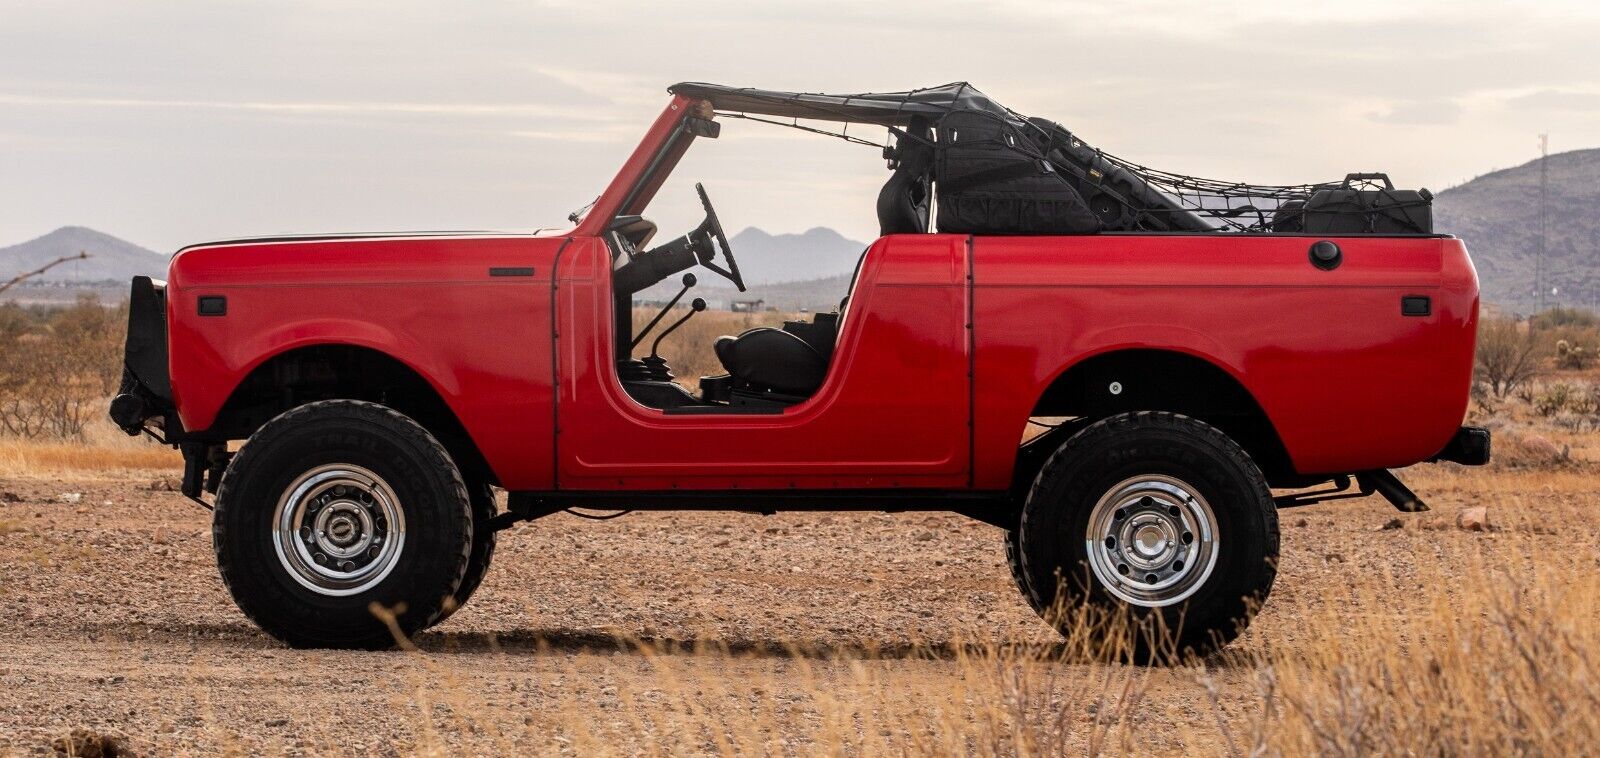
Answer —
(1469, 447)
(145, 397)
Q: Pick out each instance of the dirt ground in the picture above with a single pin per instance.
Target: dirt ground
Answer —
(113, 619)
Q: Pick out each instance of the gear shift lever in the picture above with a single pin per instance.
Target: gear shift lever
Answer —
(688, 281)
(698, 305)
(655, 367)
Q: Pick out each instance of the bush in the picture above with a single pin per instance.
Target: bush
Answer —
(1508, 355)
(1568, 317)
(58, 366)
(1555, 399)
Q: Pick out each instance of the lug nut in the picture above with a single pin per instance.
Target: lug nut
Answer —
(1150, 578)
(1122, 568)
(346, 565)
(320, 559)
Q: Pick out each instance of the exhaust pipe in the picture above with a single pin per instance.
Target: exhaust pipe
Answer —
(1385, 483)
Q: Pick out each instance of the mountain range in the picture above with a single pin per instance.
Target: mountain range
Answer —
(1497, 214)
(110, 259)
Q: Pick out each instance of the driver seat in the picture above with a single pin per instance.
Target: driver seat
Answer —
(780, 361)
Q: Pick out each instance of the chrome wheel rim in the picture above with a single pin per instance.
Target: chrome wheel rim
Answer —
(338, 530)
(1152, 540)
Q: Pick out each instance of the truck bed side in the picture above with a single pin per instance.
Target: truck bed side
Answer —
(1348, 381)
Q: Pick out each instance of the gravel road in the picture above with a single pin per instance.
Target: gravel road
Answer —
(113, 619)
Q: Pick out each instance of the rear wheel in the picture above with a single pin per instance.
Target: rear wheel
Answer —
(1157, 524)
(335, 514)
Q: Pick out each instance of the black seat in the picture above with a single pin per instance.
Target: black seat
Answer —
(773, 359)
(768, 359)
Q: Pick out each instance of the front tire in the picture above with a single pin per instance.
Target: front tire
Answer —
(335, 510)
(1157, 524)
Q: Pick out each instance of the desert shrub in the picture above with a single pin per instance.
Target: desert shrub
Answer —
(1508, 355)
(57, 367)
(1565, 317)
(1572, 356)
(1555, 398)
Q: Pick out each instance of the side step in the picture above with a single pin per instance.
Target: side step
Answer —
(1379, 481)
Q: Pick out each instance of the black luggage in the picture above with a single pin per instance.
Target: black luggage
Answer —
(990, 179)
(1367, 204)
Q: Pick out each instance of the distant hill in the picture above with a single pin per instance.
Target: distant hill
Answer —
(819, 252)
(1497, 215)
(110, 259)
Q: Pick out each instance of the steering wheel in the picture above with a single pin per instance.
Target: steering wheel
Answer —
(713, 227)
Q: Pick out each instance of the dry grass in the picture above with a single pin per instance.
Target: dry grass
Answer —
(30, 458)
(106, 450)
(1489, 648)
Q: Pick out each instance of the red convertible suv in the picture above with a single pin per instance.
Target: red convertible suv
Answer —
(1115, 365)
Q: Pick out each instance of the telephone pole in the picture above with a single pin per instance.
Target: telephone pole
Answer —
(1544, 223)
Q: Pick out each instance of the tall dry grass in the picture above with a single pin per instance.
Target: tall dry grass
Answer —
(1460, 643)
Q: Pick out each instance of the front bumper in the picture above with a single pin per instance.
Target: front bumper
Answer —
(144, 400)
(1469, 447)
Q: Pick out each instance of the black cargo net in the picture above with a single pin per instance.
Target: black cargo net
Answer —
(1125, 195)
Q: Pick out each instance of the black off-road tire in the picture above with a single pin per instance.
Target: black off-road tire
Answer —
(1050, 556)
(483, 542)
(428, 491)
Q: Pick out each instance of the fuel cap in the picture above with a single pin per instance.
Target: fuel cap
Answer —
(1326, 255)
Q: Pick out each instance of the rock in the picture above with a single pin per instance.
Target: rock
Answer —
(1302, 522)
(1540, 448)
(70, 497)
(1474, 519)
(1392, 524)
(10, 497)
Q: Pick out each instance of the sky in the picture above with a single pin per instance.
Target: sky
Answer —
(168, 123)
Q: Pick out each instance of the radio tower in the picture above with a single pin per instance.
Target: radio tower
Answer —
(1544, 224)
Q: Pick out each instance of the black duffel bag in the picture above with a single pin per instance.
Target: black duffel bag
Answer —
(1367, 204)
(989, 178)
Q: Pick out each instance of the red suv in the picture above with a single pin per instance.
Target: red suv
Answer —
(1113, 364)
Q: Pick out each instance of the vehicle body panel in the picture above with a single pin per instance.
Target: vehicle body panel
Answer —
(430, 302)
(1348, 382)
(892, 412)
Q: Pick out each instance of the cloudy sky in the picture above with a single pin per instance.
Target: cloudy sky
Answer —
(173, 122)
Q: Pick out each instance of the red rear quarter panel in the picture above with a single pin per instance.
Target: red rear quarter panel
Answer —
(1349, 383)
(483, 342)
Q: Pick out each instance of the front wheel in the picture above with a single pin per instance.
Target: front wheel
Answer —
(337, 514)
(1157, 524)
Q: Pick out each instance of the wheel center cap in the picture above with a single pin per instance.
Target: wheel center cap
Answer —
(1150, 541)
(342, 530)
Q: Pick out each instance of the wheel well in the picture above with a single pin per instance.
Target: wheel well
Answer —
(1163, 380)
(345, 372)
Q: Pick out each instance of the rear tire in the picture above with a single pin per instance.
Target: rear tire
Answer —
(336, 512)
(1158, 525)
